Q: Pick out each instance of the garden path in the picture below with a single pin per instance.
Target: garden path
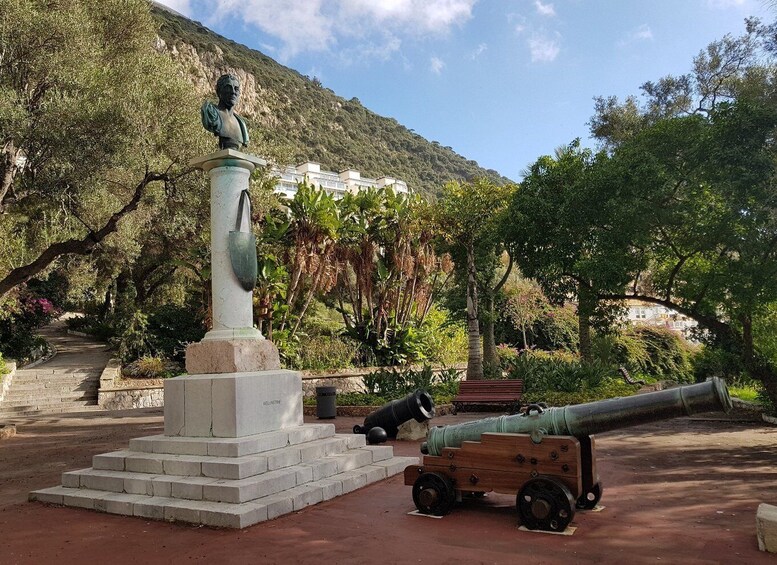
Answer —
(67, 382)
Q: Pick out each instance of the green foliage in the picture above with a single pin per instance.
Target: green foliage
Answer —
(395, 383)
(746, 393)
(321, 352)
(3, 367)
(172, 327)
(608, 388)
(544, 371)
(712, 361)
(508, 356)
(655, 352)
(151, 368)
(134, 341)
(557, 328)
(23, 315)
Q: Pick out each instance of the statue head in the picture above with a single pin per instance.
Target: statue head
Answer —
(228, 91)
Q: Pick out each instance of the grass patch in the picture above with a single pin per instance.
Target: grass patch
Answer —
(746, 393)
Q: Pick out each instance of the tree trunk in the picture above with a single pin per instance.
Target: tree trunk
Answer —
(474, 353)
(585, 309)
(490, 357)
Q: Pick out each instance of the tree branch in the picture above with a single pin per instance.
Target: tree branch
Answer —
(82, 246)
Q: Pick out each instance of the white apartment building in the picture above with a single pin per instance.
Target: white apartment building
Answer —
(337, 184)
(655, 315)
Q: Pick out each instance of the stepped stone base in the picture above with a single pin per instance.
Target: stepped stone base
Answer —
(235, 452)
(226, 482)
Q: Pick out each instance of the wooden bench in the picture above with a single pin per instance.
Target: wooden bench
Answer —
(506, 393)
(627, 377)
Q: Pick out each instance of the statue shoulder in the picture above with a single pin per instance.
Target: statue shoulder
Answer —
(211, 120)
(243, 128)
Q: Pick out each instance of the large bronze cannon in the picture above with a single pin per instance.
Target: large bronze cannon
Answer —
(545, 455)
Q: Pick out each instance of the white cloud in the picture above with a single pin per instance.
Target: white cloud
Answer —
(543, 48)
(518, 21)
(366, 26)
(544, 9)
(436, 65)
(482, 48)
(641, 33)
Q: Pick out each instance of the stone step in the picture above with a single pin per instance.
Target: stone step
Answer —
(53, 401)
(19, 412)
(42, 374)
(53, 386)
(235, 467)
(223, 514)
(237, 447)
(58, 379)
(235, 491)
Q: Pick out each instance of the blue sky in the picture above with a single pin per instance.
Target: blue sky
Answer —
(500, 81)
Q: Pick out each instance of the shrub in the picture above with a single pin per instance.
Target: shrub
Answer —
(655, 352)
(323, 352)
(151, 368)
(444, 340)
(22, 314)
(544, 371)
(395, 383)
(668, 354)
(713, 361)
(608, 388)
(134, 341)
(507, 356)
(556, 329)
(172, 327)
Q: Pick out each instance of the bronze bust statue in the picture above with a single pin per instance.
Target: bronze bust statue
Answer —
(221, 120)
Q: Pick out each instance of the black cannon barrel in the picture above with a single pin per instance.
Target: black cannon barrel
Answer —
(594, 417)
(417, 405)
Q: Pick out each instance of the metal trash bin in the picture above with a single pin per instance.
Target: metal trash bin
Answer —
(326, 402)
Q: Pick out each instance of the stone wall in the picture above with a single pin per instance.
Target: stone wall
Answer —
(111, 398)
(127, 398)
(7, 378)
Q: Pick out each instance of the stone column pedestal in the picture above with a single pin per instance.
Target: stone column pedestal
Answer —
(233, 345)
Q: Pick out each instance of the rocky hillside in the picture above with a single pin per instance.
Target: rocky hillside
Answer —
(295, 119)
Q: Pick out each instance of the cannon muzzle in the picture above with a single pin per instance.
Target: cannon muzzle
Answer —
(583, 420)
(417, 405)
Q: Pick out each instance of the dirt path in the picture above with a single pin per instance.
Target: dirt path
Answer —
(679, 492)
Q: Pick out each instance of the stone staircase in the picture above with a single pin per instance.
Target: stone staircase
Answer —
(226, 482)
(50, 391)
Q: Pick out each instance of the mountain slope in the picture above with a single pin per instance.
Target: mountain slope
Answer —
(294, 119)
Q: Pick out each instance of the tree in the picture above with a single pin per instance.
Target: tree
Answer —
(389, 273)
(567, 238)
(685, 213)
(92, 119)
(471, 215)
(525, 305)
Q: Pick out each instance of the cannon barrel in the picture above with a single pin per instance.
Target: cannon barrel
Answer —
(583, 420)
(417, 405)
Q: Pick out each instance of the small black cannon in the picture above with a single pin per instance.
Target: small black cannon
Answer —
(546, 455)
(417, 405)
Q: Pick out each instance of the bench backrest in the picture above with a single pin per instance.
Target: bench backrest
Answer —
(507, 386)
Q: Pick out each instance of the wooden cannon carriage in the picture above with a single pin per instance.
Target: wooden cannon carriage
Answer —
(546, 457)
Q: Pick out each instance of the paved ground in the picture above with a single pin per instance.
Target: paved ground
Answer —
(684, 491)
(73, 351)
